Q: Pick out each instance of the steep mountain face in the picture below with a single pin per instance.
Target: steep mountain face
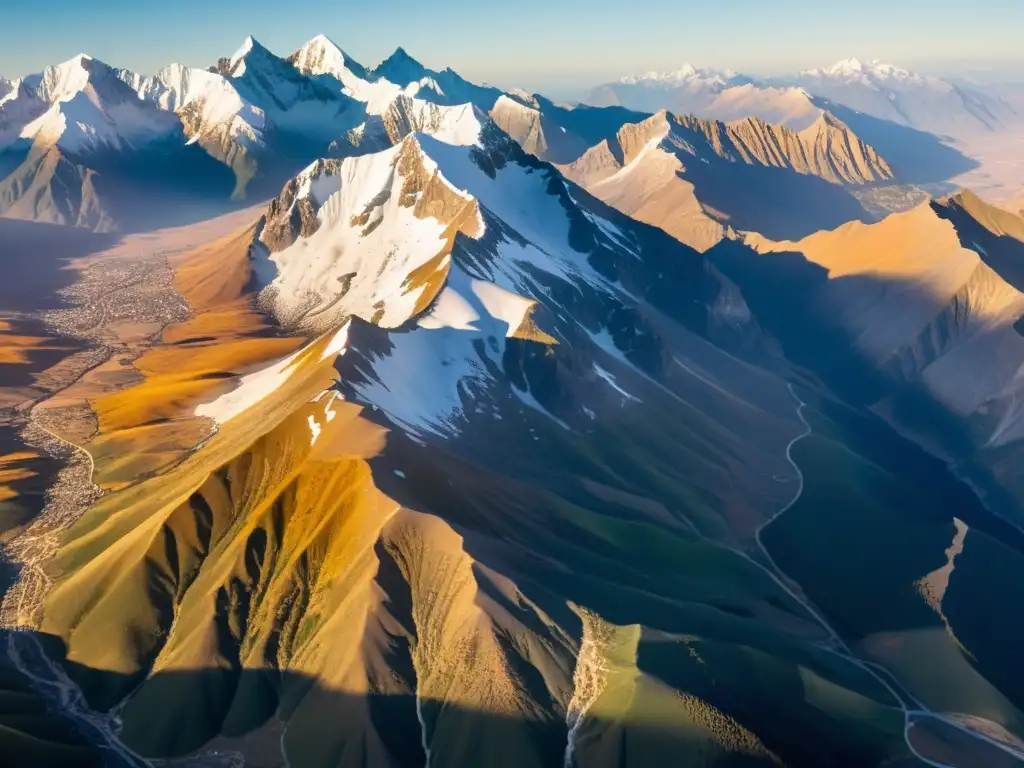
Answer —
(322, 56)
(724, 96)
(371, 200)
(256, 112)
(907, 98)
(917, 315)
(536, 132)
(448, 86)
(79, 148)
(48, 187)
(213, 115)
(91, 110)
(694, 177)
(405, 115)
(426, 587)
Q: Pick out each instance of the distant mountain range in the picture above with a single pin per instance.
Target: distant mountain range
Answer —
(880, 90)
(83, 143)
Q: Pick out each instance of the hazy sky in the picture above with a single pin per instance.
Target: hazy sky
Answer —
(556, 45)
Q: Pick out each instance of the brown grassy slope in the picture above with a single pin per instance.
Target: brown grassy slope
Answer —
(148, 426)
(264, 551)
(107, 555)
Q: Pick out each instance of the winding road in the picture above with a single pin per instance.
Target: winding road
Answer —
(73, 446)
(840, 648)
(49, 678)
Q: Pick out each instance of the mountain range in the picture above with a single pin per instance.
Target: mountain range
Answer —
(694, 178)
(510, 433)
(874, 88)
(259, 118)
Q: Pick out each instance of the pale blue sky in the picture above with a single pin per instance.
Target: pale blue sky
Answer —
(552, 45)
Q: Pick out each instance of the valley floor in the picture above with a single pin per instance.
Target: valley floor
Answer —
(1000, 175)
(98, 307)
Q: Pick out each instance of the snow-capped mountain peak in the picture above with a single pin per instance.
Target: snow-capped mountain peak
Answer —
(856, 69)
(845, 67)
(251, 55)
(80, 105)
(244, 50)
(685, 73)
(322, 56)
(401, 68)
(62, 81)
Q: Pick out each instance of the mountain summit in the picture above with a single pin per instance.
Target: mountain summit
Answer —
(322, 56)
(906, 98)
(400, 68)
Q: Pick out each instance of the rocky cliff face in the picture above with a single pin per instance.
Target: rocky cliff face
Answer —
(698, 179)
(535, 132)
(828, 149)
(917, 316)
(49, 187)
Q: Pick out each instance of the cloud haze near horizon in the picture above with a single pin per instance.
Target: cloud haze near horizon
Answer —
(537, 44)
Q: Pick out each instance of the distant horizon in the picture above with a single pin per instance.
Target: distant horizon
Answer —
(561, 52)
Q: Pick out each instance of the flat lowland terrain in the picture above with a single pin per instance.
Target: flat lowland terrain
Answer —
(37, 261)
(1000, 175)
(143, 428)
(85, 310)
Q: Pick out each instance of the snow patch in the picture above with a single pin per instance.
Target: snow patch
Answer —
(254, 387)
(529, 400)
(502, 304)
(423, 381)
(251, 389)
(329, 412)
(337, 344)
(613, 383)
(451, 310)
(314, 428)
(241, 53)
(358, 266)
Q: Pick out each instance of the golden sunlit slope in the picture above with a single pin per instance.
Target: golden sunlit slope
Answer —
(694, 178)
(920, 314)
(17, 349)
(280, 558)
(518, 554)
(913, 280)
(274, 588)
(917, 260)
(144, 427)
